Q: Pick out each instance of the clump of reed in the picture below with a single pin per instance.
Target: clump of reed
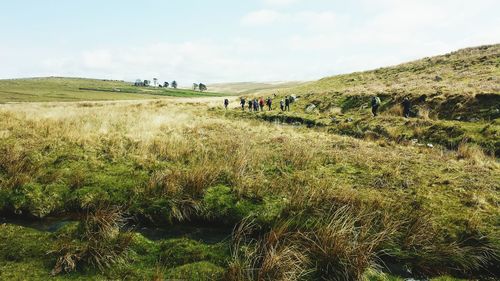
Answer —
(98, 242)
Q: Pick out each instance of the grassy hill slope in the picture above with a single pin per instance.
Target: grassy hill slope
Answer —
(250, 87)
(455, 101)
(465, 82)
(81, 89)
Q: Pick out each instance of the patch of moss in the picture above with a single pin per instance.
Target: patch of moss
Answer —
(219, 203)
(181, 251)
(19, 243)
(198, 271)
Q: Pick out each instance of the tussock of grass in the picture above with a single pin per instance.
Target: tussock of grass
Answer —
(97, 242)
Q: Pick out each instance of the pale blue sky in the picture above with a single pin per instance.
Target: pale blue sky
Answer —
(224, 40)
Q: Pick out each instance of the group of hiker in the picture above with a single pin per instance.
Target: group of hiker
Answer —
(261, 103)
(375, 103)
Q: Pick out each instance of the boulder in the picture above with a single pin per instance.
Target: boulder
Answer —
(310, 108)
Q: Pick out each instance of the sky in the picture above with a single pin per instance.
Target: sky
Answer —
(232, 41)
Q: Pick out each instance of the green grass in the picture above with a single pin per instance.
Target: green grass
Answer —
(25, 254)
(80, 89)
(164, 163)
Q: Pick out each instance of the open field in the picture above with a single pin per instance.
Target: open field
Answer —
(245, 88)
(308, 204)
(79, 89)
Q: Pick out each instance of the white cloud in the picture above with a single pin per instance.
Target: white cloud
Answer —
(280, 2)
(314, 20)
(262, 17)
(310, 44)
(188, 62)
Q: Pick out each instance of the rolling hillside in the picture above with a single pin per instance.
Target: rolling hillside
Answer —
(455, 101)
(81, 89)
(242, 88)
(465, 82)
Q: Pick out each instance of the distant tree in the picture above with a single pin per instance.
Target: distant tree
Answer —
(166, 84)
(155, 81)
(138, 83)
(159, 85)
(195, 86)
(202, 87)
(174, 84)
(146, 83)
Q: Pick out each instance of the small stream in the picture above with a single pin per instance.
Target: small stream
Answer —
(204, 233)
(196, 231)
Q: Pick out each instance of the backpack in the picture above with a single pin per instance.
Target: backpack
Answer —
(375, 101)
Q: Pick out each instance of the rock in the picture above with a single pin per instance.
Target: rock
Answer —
(473, 119)
(349, 119)
(310, 108)
(459, 118)
(438, 78)
(414, 141)
(430, 145)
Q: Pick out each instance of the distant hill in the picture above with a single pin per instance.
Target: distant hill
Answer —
(242, 88)
(83, 89)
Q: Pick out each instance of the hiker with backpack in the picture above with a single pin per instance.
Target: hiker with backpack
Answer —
(287, 103)
(242, 102)
(282, 105)
(375, 105)
(269, 103)
(255, 105)
(226, 103)
(406, 107)
(261, 103)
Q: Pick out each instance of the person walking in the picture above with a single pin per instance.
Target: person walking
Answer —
(282, 105)
(269, 103)
(226, 103)
(255, 105)
(375, 105)
(406, 107)
(261, 103)
(250, 105)
(242, 102)
(287, 103)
